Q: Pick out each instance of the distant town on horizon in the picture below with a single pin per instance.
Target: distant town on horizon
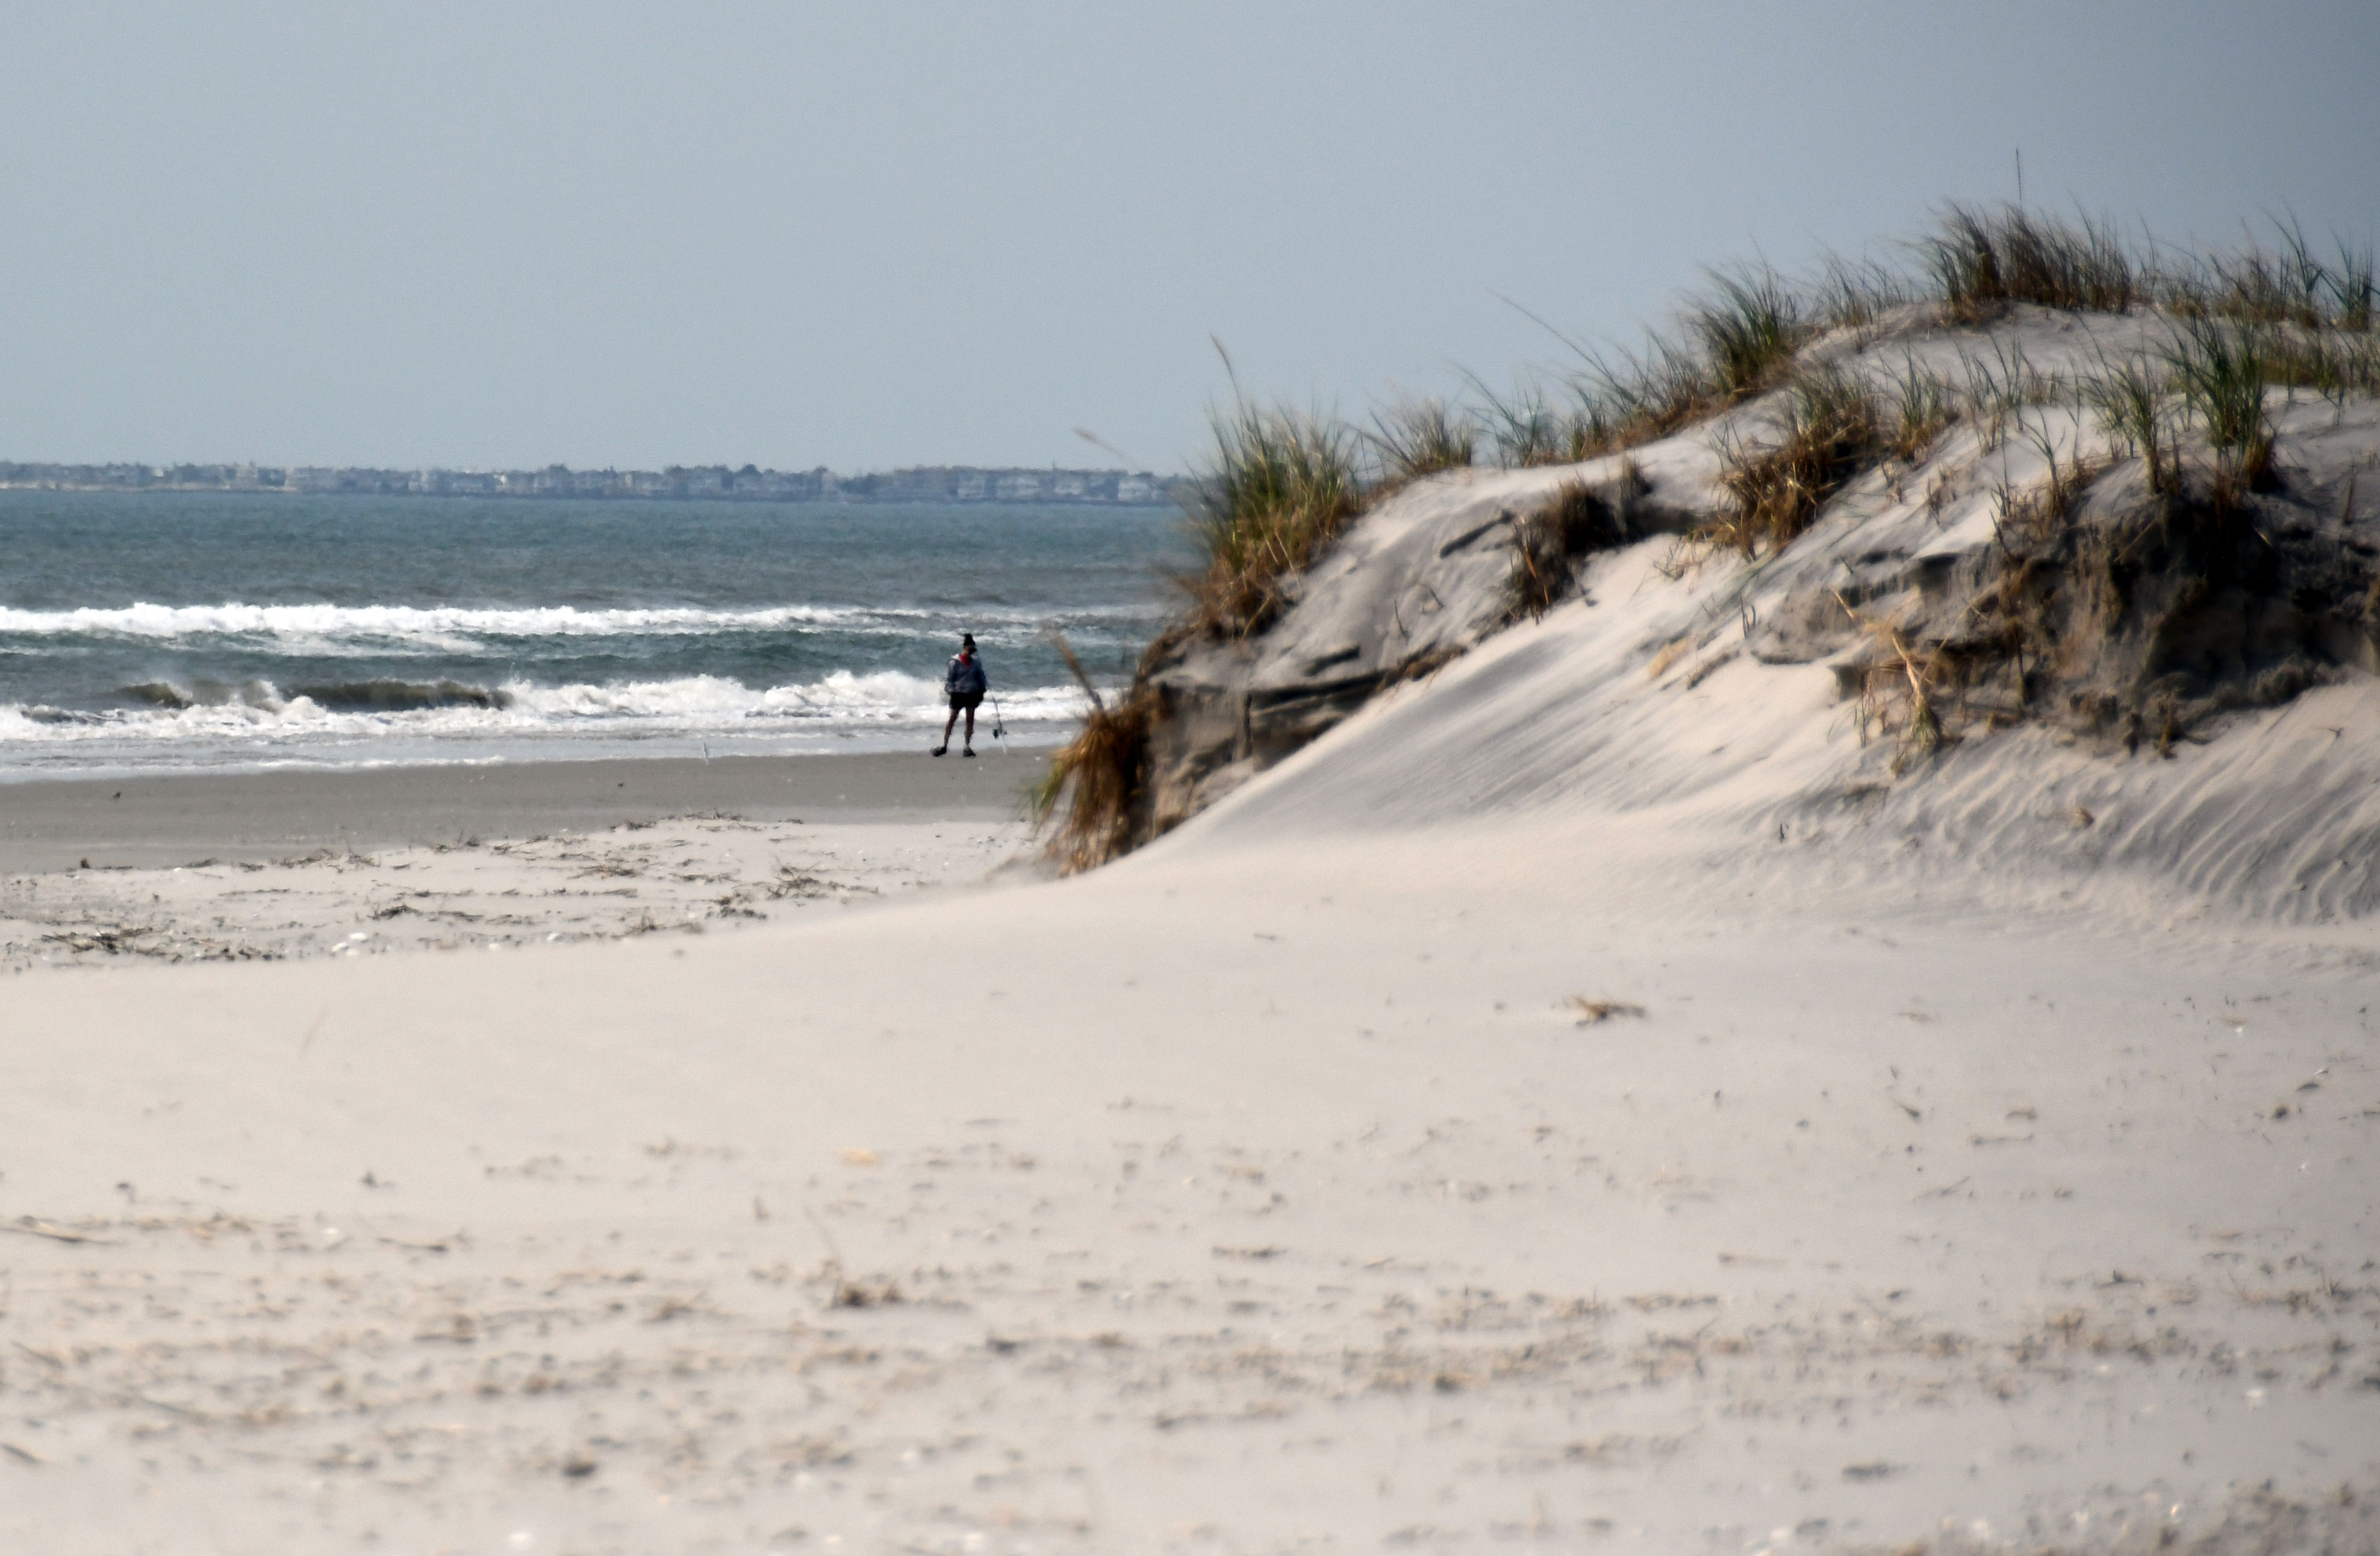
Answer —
(918, 483)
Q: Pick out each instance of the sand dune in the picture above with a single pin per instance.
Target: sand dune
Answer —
(1263, 1189)
(1606, 1093)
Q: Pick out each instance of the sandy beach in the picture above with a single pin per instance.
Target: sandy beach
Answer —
(236, 867)
(1370, 1162)
(166, 819)
(1672, 844)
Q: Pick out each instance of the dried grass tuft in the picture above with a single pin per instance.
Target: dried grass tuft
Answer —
(1594, 1013)
(1899, 695)
(1548, 540)
(1099, 777)
(1830, 433)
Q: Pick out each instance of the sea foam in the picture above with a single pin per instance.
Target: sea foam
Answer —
(452, 628)
(697, 705)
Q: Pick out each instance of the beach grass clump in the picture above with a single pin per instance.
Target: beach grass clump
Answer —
(1524, 431)
(2222, 369)
(1630, 397)
(2133, 403)
(1099, 777)
(2354, 291)
(2260, 286)
(1981, 257)
(1748, 327)
(1735, 339)
(1998, 392)
(1923, 406)
(1548, 540)
(1831, 431)
(2289, 285)
(2335, 363)
(1854, 293)
(1417, 437)
(1280, 484)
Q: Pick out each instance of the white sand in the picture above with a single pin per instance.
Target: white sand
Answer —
(1260, 1191)
(1986, 1164)
(679, 875)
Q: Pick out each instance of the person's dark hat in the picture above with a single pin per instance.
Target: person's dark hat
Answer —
(966, 640)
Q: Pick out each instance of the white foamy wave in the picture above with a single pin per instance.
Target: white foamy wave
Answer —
(688, 706)
(454, 627)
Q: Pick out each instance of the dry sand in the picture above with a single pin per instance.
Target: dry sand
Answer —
(265, 866)
(1939, 1171)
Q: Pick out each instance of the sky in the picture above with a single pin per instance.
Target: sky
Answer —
(508, 234)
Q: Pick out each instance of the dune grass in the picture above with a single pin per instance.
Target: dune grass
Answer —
(2133, 404)
(1098, 776)
(1281, 484)
(1923, 406)
(1830, 430)
(1979, 257)
(1732, 340)
(1550, 539)
(2222, 370)
(1417, 437)
(1855, 293)
(1748, 327)
(1278, 485)
(2288, 284)
(2335, 363)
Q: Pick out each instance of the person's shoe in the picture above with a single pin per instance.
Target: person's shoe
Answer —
(939, 749)
(968, 752)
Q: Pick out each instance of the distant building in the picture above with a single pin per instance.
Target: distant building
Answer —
(916, 483)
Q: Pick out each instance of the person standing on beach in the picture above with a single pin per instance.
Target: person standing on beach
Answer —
(963, 683)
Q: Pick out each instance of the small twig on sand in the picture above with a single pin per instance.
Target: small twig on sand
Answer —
(33, 1226)
(1591, 1011)
(439, 1248)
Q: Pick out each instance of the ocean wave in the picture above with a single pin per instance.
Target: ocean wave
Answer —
(458, 627)
(258, 711)
(385, 693)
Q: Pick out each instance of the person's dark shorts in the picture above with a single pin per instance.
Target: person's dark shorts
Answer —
(966, 701)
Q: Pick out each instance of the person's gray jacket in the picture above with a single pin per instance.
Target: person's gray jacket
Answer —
(965, 678)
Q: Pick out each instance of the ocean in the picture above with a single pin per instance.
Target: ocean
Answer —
(147, 631)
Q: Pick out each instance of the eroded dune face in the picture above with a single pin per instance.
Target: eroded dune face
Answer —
(2007, 641)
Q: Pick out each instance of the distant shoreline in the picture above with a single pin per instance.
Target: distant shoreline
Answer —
(966, 484)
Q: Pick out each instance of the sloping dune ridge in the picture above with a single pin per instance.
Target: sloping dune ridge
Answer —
(1621, 1078)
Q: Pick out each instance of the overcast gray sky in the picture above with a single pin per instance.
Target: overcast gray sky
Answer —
(508, 233)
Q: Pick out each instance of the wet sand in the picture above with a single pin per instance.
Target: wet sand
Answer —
(180, 818)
